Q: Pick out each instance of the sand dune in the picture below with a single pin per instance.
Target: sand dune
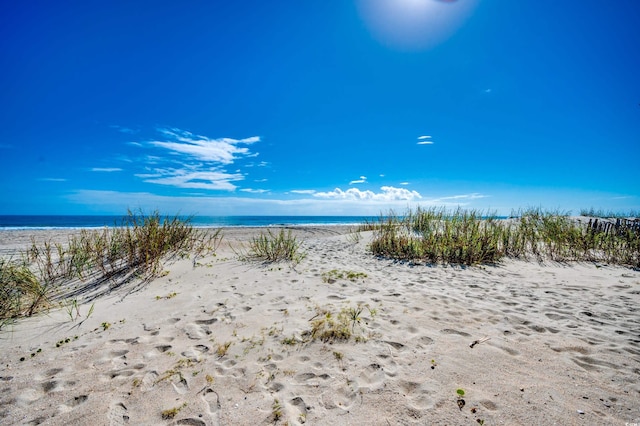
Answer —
(220, 341)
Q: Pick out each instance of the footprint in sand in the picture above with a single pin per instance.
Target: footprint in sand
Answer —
(371, 378)
(196, 332)
(80, 399)
(300, 406)
(117, 414)
(343, 398)
(417, 394)
(212, 401)
(191, 422)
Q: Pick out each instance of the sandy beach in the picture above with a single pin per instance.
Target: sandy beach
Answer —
(222, 341)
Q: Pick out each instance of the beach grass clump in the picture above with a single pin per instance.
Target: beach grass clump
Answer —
(276, 247)
(470, 237)
(136, 249)
(329, 327)
(334, 275)
(21, 292)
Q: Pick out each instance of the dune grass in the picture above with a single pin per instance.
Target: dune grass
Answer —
(134, 250)
(471, 237)
(275, 247)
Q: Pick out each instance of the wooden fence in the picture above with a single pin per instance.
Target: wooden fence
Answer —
(620, 226)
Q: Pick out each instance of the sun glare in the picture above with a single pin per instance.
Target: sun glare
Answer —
(414, 24)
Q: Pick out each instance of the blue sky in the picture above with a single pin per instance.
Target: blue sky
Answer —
(318, 107)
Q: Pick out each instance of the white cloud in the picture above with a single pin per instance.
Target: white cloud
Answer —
(53, 179)
(254, 191)
(425, 143)
(423, 137)
(404, 183)
(304, 191)
(106, 169)
(362, 179)
(194, 161)
(389, 193)
(222, 150)
(213, 180)
(473, 196)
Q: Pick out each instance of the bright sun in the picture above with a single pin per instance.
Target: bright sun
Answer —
(414, 24)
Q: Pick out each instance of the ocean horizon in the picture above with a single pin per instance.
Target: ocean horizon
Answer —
(20, 222)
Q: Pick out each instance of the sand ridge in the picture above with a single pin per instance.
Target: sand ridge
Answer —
(220, 341)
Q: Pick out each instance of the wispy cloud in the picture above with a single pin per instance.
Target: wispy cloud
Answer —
(425, 140)
(472, 196)
(181, 178)
(106, 169)
(304, 191)
(123, 129)
(388, 193)
(52, 179)
(202, 148)
(362, 179)
(194, 161)
(254, 191)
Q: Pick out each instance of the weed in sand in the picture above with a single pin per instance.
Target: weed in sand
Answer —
(291, 341)
(335, 275)
(172, 412)
(276, 411)
(223, 348)
(168, 296)
(271, 247)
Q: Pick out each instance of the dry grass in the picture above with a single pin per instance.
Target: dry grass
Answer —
(134, 250)
(471, 237)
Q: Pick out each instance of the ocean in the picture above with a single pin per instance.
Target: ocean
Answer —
(74, 222)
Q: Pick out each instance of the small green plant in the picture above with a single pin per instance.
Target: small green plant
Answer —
(433, 366)
(223, 349)
(105, 325)
(172, 412)
(335, 275)
(168, 296)
(73, 310)
(338, 355)
(209, 379)
(354, 315)
(290, 341)
(328, 327)
(276, 411)
(460, 400)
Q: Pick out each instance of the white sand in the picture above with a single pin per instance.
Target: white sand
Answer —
(563, 345)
